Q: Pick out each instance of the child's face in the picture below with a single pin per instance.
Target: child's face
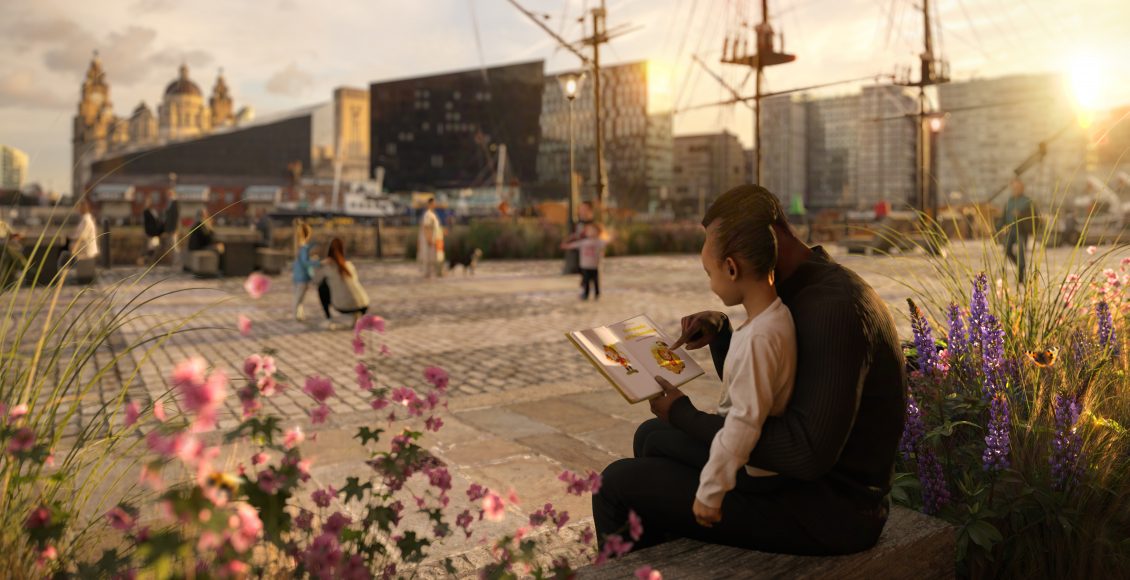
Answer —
(723, 274)
(591, 232)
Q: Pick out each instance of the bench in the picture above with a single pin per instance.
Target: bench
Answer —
(270, 261)
(913, 545)
(203, 263)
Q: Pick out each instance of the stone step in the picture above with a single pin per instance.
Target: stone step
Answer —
(913, 545)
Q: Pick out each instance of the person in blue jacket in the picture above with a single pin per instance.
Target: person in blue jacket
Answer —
(304, 265)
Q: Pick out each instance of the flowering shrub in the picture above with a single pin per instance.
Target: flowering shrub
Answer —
(1022, 448)
(255, 520)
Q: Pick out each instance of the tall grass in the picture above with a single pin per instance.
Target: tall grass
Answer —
(62, 354)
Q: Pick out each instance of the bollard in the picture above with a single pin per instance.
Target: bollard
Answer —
(106, 243)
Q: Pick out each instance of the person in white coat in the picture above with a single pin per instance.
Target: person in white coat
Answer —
(84, 238)
(429, 246)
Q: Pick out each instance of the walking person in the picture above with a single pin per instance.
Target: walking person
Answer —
(429, 245)
(339, 286)
(1020, 220)
(304, 266)
(84, 238)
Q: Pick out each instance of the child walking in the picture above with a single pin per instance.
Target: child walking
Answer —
(591, 248)
(304, 266)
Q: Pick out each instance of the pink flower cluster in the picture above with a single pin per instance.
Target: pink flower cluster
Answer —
(321, 389)
(549, 513)
(201, 394)
(23, 440)
(578, 485)
(368, 322)
(260, 372)
(257, 285)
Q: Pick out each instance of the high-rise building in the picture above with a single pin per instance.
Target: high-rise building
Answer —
(13, 167)
(996, 124)
(705, 166)
(447, 130)
(843, 151)
(638, 143)
(784, 169)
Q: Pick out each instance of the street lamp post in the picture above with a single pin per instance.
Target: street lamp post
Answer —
(571, 86)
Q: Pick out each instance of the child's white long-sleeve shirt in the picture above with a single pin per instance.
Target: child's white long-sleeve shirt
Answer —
(758, 376)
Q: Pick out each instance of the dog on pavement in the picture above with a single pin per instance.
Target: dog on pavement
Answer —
(468, 261)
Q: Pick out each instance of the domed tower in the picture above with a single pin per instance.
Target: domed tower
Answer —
(221, 103)
(92, 125)
(142, 125)
(182, 112)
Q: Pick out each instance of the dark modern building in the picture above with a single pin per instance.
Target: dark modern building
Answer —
(445, 131)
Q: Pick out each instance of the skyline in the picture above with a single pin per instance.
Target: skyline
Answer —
(46, 46)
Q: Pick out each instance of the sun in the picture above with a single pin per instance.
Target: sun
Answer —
(1087, 85)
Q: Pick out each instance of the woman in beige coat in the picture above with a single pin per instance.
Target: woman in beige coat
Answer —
(339, 286)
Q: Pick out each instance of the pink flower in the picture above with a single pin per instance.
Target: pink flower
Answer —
(17, 411)
(120, 519)
(369, 322)
(336, 523)
(1091, 250)
(269, 481)
(247, 526)
(318, 415)
(578, 485)
(587, 536)
(323, 497)
(379, 403)
(268, 386)
(384, 350)
(647, 573)
(464, 521)
(493, 507)
(293, 437)
(358, 346)
(635, 526)
(476, 492)
(244, 324)
(437, 377)
(39, 517)
(433, 423)
(234, 569)
(512, 497)
(257, 285)
(259, 458)
(22, 441)
(151, 477)
(319, 387)
(304, 520)
(48, 553)
(364, 377)
(190, 371)
(133, 411)
(614, 545)
(159, 410)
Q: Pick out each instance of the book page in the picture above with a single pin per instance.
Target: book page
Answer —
(608, 350)
(650, 349)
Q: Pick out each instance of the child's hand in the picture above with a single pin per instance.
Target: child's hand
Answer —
(661, 405)
(706, 516)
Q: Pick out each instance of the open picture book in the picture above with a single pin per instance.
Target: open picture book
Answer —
(632, 353)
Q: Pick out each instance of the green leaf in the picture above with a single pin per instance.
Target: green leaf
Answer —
(354, 488)
(366, 435)
(984, 534)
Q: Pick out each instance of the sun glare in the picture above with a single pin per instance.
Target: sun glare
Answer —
(659, 98)
(1086, 82)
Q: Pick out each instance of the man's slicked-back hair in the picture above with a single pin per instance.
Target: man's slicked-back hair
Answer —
(745, 217)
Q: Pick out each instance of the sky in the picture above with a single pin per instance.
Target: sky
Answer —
(282, 54)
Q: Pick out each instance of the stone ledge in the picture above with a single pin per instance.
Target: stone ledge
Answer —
(912, 545)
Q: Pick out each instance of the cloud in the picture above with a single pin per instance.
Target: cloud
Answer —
(22, 89)
(290, 81)
(154, 6)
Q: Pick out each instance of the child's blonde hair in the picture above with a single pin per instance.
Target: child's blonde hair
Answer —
(302, 234)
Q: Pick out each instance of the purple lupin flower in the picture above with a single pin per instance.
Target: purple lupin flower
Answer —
(1108, 340)
(997, 442)
(1080, 348)
(992, 356)
(978, 309)
(913, 429)
(924, 343)
(1066, 444)
(958, 347)
(935, 493)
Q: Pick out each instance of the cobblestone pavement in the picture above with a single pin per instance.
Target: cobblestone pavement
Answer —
(524, 404)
